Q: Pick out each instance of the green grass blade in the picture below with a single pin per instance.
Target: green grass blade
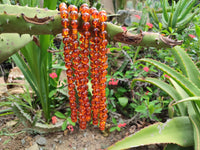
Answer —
(167, 88)
(188, 67)
(175, 15)
(164, 5)
(190, 88)
(177, 130)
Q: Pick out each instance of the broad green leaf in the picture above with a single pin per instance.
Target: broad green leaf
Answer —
(60, 115)
(197, 29)
(64, 125)
(177, 130)
(188, 67)
(123, 101)
(183, 82)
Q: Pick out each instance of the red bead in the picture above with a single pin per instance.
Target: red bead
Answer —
(105, 65)
(72, 92)
(96, 31)
(74, 31)
(82, 38)
(85, 10)
(104, 58)
(72, 99)
(85, 67)
(74, 36)
(102, 12)
(103, 51)
(103, 34)
(104, 42)
(75, 44)
(86, 17)
(84, 5)
(74, 15)
(74, 24)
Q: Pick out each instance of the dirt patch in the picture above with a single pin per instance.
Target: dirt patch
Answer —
(15, 138)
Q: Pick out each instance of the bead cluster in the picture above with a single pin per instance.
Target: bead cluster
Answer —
(91, 50)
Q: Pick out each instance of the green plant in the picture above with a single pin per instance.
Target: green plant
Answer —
(67, 119)
(177, 16)
(184, 88)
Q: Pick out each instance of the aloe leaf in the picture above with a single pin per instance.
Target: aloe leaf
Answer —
(187, 99)
(164, 5)
(177, 130)
(190, 88)
(188, 67)
(10, 43)
(176, 14)
(171, 91)
(188, 8)
(194, 117)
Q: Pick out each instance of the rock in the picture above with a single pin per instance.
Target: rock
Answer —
(3, 88)
(33, 147)
(15, 76)
(41, 141)
(11, 123)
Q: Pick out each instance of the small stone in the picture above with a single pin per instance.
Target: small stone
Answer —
(23, 141)
(41, 141)
(56, 140)
(33, 147)
(11, 123)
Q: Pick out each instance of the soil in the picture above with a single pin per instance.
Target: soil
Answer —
(15, 138)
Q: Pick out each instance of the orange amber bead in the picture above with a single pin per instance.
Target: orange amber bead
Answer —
(95, 22)
(71, 86)
(87, 34)
(83, 5)
(86, 17)
(74, 15)
(67, 57)
(85, 52)
(104, 58)
(92, 9)
(74, 31)
(103, 34)
(62, 6)
(70, 79)
(74, 24)
(72, 8)
(82, 38)
(77, 60)
(104, 42)
(74, 36)
(95, 121)
(65, 22)
(75, 44)
(85, 10)
(103, 26)
(69, 72)
(75, 53)
(102, 12)
(66, 40)
(102, 17)
(86, 25)
(85, 60)
(95, 14)
(65, 32)
(103, 51)
(64, 14)
(71, 92)
(96, 31)
(68, 65)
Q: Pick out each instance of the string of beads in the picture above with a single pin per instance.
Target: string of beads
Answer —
(78, 56)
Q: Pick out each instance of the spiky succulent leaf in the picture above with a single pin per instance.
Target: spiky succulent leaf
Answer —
(177, 130)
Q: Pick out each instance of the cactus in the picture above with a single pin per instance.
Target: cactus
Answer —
(10, 43)
(28, 20)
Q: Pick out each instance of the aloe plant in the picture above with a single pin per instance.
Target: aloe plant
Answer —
(185, 90)
(177, 16)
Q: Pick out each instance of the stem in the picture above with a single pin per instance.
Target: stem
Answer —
(29, 20)
(136, 53)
